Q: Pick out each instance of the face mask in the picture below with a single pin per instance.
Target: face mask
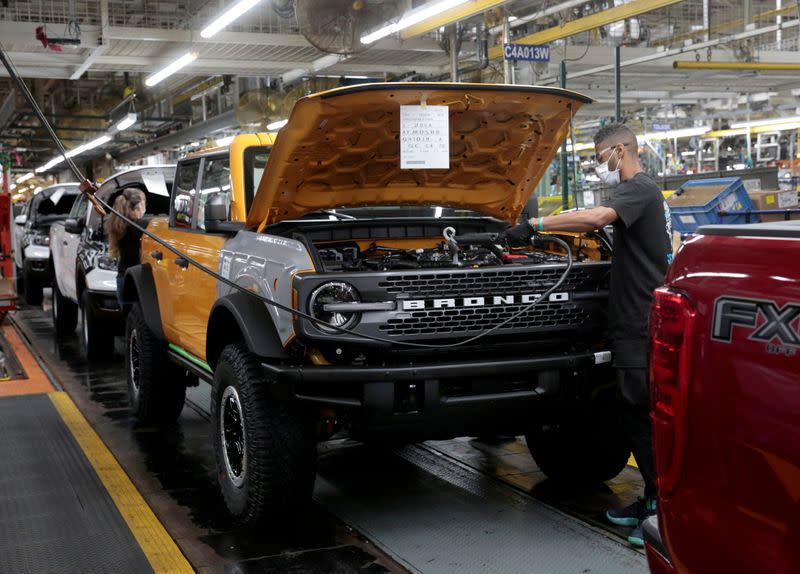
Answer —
(610, 178)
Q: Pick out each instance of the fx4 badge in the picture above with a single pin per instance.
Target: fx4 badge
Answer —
(779, 327)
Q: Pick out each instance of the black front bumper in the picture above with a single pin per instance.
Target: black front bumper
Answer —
(439, 399)
(104, 305)
(39, 269)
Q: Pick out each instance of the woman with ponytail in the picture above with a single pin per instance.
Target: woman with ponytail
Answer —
(123, 239)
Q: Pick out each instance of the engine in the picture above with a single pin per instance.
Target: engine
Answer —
(471, 251)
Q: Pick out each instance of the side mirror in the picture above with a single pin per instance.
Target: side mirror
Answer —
(21, 219)
(73, 225)
(216, 208)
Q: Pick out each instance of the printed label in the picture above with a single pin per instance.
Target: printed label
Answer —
(424, 137)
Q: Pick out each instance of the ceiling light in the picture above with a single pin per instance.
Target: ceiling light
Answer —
(73, 152)
(412, 17)
(184, 60)
(25, 177)
(754, 123)
(224, 141)
(126, 122)
(227, 17)
(12, 187)
(275, 126)
(674, 134)
(38, 189)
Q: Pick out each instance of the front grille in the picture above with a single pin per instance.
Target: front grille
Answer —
(465, 320)
(458, 283)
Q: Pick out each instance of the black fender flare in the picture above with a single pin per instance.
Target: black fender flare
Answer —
(140, 286)
(251, 317)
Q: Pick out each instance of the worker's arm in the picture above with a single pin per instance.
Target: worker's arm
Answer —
(586, 220)
(579, 221)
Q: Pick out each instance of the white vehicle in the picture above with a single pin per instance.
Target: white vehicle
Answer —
(85, 276)
(31, 239)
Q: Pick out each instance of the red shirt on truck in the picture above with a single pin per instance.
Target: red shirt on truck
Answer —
(725, 389)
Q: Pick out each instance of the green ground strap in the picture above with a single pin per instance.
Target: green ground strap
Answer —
(191, 358)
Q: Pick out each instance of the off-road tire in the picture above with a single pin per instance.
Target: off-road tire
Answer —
(33, 289)
(582, 452)
(65, 312)
(278, 467)
(97, 334)
(156, 386)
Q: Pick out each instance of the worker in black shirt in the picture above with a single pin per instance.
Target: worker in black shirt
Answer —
(124, 240)
(642, 253)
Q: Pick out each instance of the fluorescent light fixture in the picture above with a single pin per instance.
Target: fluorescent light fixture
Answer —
(73, 152)
(512, 18)
(275, 126)
(756, 123)
(181, 62)
(227, 17)
(412, 17)
(580, 146)
(194, 144)
(675, 134)
(315, 66)
(126, 122)
(12, 187)
(38, 189)
(25, 177)
(224, 141)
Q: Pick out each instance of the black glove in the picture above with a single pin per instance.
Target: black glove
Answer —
(519, 235)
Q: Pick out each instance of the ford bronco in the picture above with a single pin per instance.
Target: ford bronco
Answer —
(406, 261)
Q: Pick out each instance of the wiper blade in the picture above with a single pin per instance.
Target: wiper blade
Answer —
(342, 216)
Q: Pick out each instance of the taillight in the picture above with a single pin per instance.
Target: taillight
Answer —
(671, 321)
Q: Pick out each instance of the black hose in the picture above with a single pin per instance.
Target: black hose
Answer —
(327, 325)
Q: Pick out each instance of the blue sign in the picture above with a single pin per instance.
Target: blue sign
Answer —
(526, 52)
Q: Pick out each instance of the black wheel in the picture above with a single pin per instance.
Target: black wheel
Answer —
(266, 449)
(97, 334)
(65, 312)
(33, 289)
(583, 451)
(156, 386)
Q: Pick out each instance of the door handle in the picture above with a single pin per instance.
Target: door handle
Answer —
(182, 263)
(157, 255)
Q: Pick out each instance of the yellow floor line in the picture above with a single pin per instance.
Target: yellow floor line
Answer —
(158, 546)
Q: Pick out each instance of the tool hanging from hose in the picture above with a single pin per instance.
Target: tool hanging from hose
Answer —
(89, 189)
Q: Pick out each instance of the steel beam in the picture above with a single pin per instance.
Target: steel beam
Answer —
(676, 51)
(602, 18)
(749, 66)
(451, 16)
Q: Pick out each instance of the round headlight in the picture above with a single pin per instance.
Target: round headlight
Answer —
(333, 292)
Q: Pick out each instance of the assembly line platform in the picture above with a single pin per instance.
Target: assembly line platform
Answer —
(84, 488)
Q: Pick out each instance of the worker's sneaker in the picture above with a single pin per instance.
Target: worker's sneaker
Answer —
(633, 514)
(636, 537)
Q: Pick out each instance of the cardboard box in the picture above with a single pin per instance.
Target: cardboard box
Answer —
(765, 200)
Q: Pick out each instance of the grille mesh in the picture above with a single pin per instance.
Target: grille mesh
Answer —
(481, 282)
(463, 320)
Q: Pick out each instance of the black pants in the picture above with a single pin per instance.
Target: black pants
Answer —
(634, 396)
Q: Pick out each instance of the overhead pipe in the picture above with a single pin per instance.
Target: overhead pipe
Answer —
(749, 66)
(482, 63)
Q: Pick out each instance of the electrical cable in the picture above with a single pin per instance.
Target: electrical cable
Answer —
(259, 297)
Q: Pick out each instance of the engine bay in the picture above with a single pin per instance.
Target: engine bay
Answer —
(453, 251)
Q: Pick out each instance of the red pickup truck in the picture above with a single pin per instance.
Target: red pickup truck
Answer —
(725, 390)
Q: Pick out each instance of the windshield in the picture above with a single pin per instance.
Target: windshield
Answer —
(155, 182)
(54, 204)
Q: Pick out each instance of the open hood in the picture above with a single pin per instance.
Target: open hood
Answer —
(341, 148)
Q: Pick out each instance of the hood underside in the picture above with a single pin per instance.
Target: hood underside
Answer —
(341, 148)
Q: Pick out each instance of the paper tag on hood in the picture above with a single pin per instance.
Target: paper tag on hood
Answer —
(424, 137)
